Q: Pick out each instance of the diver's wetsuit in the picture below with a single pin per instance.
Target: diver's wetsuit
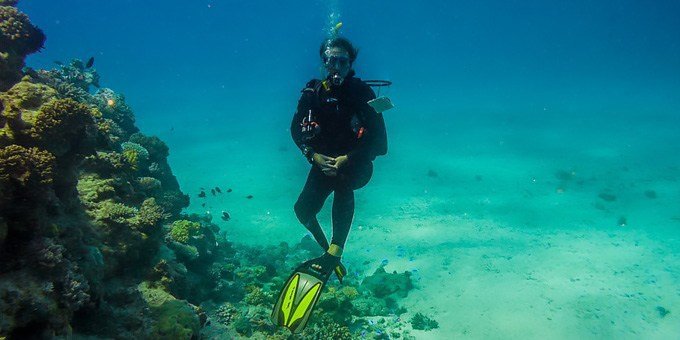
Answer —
(340, 112)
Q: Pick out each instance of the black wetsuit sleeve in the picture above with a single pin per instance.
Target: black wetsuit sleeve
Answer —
(373, 142)
(304, 105)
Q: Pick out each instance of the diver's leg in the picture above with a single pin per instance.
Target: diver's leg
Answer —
(343, 213)
(309, 203)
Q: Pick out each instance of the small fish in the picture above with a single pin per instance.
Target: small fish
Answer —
(90, 62)
(249, 196)
(59, 63)
(203, 205)
(201, 194)
(219, 191)
(202, 188)
(229, 190)
(212, 191)
(225, 216)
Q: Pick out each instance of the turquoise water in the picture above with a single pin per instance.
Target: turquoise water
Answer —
(514, 122)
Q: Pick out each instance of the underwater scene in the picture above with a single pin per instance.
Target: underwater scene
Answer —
(339, 169)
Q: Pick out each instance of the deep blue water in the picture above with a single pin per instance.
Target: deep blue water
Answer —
(580, 85)
(518, 58)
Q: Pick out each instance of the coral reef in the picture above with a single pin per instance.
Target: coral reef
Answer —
(135, 154)
(93, 241)
(18, 38)
(382, 284)
(174, 319)
(422, 322)
(80, 223)
(63, 125)
(20, 106)
(183, 230)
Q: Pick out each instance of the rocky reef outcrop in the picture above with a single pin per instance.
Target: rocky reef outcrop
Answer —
(18, 38)
(84, 200)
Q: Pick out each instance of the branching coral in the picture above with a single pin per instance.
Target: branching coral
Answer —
(158, 150)
(256, 296)
(148, 185)
(25, 166)
(109, 212)
(93, 189)
(226, 313)
(76, 77)
(149, 215)
(107, 163)
(75, 290)
(135, 154)
(113, 106)
(325, 328)
(182, 230)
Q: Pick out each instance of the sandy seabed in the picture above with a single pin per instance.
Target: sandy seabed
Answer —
(506, 239)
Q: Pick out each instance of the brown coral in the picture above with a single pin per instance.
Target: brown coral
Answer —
(18, 38)
(63, 125)
(25, 172)
(149, 215)
(25, 166)
(19, 107)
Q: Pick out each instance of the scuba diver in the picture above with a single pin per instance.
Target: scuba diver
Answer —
(340, 134)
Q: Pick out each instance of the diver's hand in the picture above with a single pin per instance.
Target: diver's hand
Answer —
(325, 163)
(337, 163)
(340, 161)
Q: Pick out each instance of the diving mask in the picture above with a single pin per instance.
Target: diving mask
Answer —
(337, 61)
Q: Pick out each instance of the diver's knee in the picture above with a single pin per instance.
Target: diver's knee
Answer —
(302, 212)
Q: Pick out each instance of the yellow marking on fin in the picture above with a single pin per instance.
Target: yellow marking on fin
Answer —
(289, 298)
(303, 306)
(325, 85)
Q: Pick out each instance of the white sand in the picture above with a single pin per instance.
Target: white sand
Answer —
(502, 247)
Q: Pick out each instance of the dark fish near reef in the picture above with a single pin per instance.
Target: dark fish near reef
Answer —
(225, 216)
(90, 62)
(203, 205)
(59, 63)
(229, 190)
(219, 191)
(212, 191)
(249, 196)
(201, 194)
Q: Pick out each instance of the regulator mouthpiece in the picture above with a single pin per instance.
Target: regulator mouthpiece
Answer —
(336, 79)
